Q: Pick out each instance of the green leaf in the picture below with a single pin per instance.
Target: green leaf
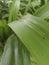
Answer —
(34, 33)
(4, 30)
(15, 53)
(43, 11)
(14, 9)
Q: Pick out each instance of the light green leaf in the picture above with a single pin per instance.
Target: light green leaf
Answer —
(34, 33)
(15, 53)
(14, 9)
(43, 11)
(35, 3)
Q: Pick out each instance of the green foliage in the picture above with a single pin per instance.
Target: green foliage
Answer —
(15, 53)
(4, 30)
(14, 9)
(34, 33)
(29, 44)
(43, 12)
(4, 10)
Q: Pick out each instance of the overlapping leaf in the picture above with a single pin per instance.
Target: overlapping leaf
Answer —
(34, 33)
(43, 12)
(15, 53)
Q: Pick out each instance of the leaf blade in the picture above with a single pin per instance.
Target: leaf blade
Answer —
(14, 10)
(34, 33)
(15, 53)
(43, 11)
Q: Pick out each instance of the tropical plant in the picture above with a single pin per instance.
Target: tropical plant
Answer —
(26, 34)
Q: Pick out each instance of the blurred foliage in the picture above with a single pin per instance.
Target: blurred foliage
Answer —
(4, 10)
(26, 6)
